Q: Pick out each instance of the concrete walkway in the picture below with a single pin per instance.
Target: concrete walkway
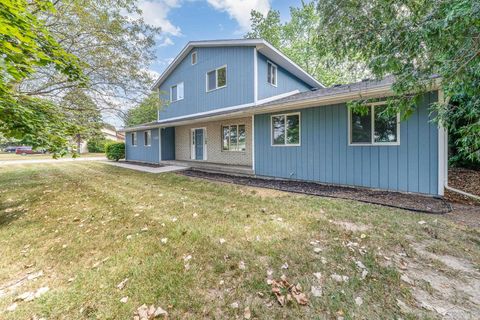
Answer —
(144, 168)
(61, 160)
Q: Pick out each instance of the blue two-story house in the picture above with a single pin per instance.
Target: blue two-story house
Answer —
(243, 106)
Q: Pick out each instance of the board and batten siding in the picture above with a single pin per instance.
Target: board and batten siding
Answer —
(286, 82)
(239, 89)
(140, 152)
(325, 156)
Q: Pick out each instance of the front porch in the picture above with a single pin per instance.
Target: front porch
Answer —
(242, 170)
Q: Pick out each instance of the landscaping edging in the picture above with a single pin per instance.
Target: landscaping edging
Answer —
(406, 201)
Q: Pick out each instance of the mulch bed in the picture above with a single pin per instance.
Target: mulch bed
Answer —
(466, 180)
(143, 164)
(412, 202)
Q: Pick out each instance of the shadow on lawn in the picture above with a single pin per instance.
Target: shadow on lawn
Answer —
(10, 212)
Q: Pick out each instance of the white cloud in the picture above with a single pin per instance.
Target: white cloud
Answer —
(155, 13)
(240, 9)
(166, 42)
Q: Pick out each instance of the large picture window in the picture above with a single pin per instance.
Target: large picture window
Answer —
(217, 78)
(234, 137)
(286, 129)
(374, 126)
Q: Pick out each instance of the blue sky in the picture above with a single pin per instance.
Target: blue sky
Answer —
(185, 20)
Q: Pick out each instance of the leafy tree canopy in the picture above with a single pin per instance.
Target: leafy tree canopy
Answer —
(146, 111)
(413, 40)
(299, 40)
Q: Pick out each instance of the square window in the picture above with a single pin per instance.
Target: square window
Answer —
(373, 125)
(286, 130)
(233, 137)
(217, 79)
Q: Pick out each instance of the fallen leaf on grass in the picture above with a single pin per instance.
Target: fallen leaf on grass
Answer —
(122, 284)
(147, 313)
(241, 265)
(246, 313)
(284, 291)
(124, 300)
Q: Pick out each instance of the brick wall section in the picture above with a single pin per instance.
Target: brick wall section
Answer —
(214, 142)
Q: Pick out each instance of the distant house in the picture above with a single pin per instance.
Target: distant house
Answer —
(242, 106)
(109, 132)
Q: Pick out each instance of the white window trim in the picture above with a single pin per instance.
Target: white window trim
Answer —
(194, 53)
(276, 73)
(299, 130)
(149, 134)
(192, 145)
(372, 119)
(135, 140)
(216, 78)
(234, 125)
(171, 91)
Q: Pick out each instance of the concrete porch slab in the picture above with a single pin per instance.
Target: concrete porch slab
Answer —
(143, 168)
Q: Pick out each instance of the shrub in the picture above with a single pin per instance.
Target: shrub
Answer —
(115, 150)
(96, 145)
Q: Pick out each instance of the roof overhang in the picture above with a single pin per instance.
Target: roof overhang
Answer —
(261, 45)
(342, 95)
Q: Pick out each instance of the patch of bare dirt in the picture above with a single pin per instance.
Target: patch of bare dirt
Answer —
(450, 295)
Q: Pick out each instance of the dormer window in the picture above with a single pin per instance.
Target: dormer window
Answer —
(176, 92)
(217, 78)
(272, 73)
(194, 57)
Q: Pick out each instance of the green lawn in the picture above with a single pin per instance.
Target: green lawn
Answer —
(88, 226)
(12, 156)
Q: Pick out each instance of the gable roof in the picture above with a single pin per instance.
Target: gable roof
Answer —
(262, 46)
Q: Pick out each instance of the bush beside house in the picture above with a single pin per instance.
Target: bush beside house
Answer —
(115, 151)
(96, 145)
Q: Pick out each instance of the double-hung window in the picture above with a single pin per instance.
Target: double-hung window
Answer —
(133, 138)
(176, 92)
(286, 129)
(147, 141)
(272, 73)
(373, 125)
(234, 137)
(217, 78)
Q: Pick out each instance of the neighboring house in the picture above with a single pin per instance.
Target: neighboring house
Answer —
(242, 106)
(109, 133)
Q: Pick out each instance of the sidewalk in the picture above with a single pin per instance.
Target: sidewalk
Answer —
(60, 160)
(144, 168)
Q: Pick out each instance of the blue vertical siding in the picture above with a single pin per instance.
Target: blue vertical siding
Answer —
(239, 89)
(168, 143)
(286, 81)
(140, 152)
(324, 155)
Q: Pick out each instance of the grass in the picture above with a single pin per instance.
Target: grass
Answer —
(86, 222)
(4, 156)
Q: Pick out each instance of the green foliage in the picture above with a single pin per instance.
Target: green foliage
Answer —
(115, 150)
(96, 145)
(146, 111)
(414, 40)
(298, 39)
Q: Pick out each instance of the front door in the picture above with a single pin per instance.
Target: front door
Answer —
(199, 144)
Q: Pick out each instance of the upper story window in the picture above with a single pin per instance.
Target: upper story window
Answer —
(217, 78)
(147, 135)
(272, 73)
(234, 137)
(133, 138)
(286, 129)
(194, 57)
(176, 92)
(373, 126)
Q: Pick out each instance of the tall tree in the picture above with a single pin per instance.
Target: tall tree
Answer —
(25, 45)
(144, 112)
(299, 40)
(413, 40)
